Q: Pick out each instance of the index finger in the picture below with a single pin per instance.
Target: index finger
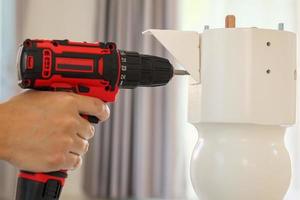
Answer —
(92, 106)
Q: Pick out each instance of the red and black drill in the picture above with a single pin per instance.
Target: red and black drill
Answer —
(91, 69)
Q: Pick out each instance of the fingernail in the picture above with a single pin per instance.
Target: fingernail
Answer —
(77, 164)
(92, 130)
(87, 148)
(107, 111)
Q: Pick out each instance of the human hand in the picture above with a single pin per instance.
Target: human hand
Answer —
(43, 131)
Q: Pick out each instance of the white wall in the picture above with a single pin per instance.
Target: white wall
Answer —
(250, 13)
(297, 138)
(61, 19)
(7, 86)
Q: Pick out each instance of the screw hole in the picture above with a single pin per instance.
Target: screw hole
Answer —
(26, 83)
(55, 43)
(268, 44)
(27, 43)
(107, 88)
(111, 46)
(268, 71)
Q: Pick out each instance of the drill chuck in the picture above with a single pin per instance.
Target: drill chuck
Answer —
(144, 70)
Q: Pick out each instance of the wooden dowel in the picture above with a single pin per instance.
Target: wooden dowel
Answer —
(230, 21)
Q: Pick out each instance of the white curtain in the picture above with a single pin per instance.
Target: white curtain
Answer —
(139, 151)
(8, 80)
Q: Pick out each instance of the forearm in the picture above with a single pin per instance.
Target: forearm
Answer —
(4, 126)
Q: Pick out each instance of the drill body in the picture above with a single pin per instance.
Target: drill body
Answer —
(92, 69)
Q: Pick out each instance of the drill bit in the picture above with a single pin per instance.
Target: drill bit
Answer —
(181, 72)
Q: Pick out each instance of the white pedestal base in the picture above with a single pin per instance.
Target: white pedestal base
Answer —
(240, 162)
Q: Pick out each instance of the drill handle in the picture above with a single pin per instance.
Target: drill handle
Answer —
(91, 119)
(43, 186)
(40, 186)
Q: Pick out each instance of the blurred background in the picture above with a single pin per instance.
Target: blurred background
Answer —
(143, 151)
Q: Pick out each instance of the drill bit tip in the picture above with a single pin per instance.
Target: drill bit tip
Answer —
(181, 72)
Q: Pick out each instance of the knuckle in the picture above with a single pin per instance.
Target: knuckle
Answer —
(91, 131)
(73, 122)
(78, 163)
(68, 143)
(70, 123)
(69, 99)
(82, 133)
(56, 160)
(65, 145)
(97, 102)
(99, 105)
(87, 147)
(108, 111)
(83, 146)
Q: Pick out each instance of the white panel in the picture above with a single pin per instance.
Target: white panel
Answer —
(183, 45)
(235, 84)
(194, 103)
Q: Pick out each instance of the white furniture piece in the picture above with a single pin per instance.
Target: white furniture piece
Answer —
(241, 102)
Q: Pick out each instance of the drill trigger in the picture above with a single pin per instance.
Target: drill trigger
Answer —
(62, 87)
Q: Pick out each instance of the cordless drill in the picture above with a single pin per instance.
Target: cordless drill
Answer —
(92, 69)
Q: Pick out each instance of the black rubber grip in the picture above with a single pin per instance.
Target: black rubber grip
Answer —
(93, 119)
(33, 190)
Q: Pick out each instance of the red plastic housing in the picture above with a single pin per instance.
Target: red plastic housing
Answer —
(41, 177)
(90, 69)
